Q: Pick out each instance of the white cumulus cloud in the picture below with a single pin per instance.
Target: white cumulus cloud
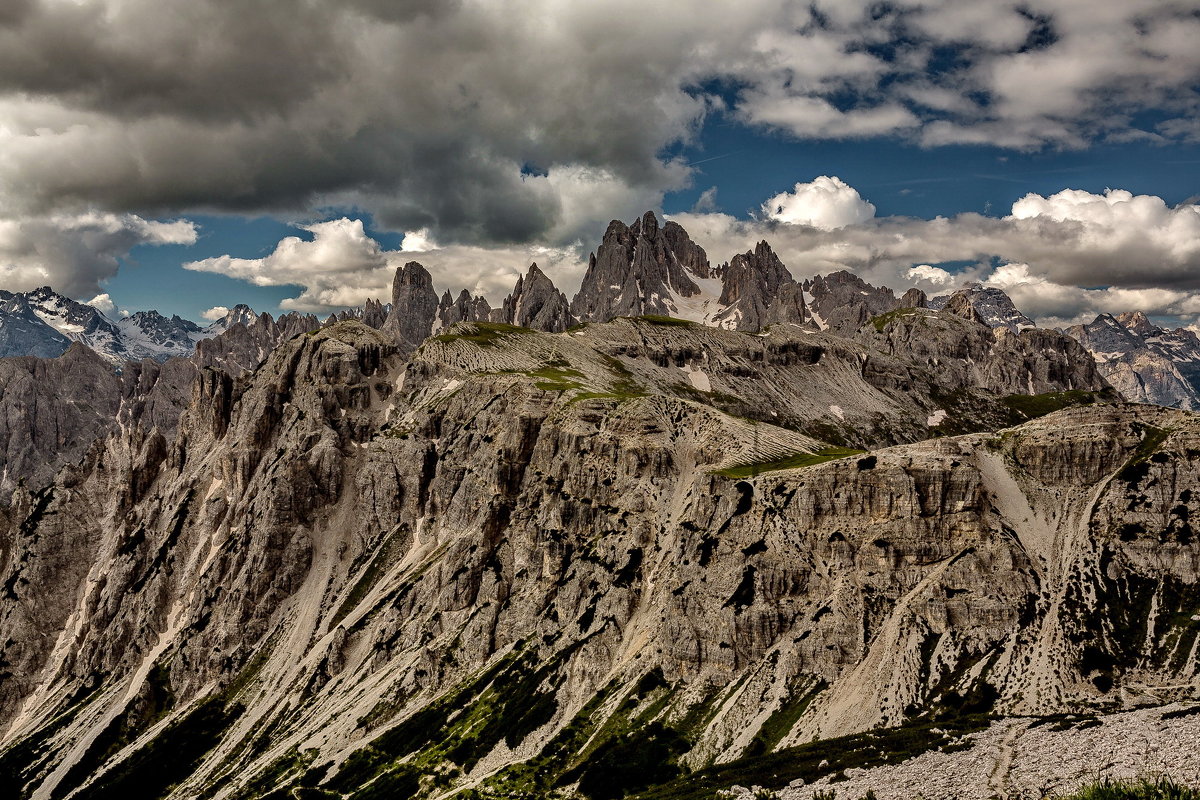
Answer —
(1064, 255)
(342, 265)
(827, 203)
(103, 303)
(215, 313)
(934, 276)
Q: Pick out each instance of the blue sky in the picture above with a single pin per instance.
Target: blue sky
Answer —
(146, 171)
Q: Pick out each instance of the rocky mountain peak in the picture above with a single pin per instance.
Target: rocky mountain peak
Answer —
(1149, 368)
(994, 307)
(1138, 323)
(536, 303)
(914, 298)
(646, 226)
(464, 308)
(72, 320)
(841, 302)
(757, 290)
(414, 305)
(148, 334)
(643, 269)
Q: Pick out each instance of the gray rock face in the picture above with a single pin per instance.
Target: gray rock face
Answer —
(537, 304)
(1138, 359)
(642, 269)
(994, 307)
(1180, 346)
(959, 349)
(460, 552)
(758, 291)
(414, 305)
(914, 298)
(23, 333)
(960, 304)
(245, 344)
(463, 309)
(51, 411)
(842, 302)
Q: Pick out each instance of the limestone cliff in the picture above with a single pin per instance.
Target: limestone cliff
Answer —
(512, 557)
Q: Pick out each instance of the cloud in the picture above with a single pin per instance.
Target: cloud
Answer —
(341, 266)
(417, 241)
(215, 313)
(1063, 255)
(74, 253)
(431, 116)
(1049, 72)
(103, 303)
(706, 202)
(462, 120)
(1055, 304)
(825, 203)
(930, 275)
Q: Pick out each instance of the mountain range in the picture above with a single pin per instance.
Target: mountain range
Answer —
(697, 530)
(638, 269)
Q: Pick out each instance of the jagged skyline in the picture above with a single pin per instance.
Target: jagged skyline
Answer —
(644, 268)
(1046, 149)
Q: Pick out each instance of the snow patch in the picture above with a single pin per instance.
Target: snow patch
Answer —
(837, 412)
(936, 418)
(698, 378)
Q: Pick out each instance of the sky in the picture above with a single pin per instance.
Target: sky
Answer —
(290, 154)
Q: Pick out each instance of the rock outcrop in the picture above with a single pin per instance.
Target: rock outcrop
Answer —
(757, 290)
(645, 269)
(1143, 362)
(537, 304)
(414, 305)
(51, 411)
(355, 566)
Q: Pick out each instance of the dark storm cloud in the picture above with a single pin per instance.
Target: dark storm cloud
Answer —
(202, 61)
(423, 111)
(502, 122)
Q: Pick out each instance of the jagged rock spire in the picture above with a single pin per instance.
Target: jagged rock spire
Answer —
(536, 303)
(758, 290)
(414, 305)
(640, 269)
(464, 308)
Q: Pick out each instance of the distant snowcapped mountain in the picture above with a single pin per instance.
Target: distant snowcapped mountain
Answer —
(993, 306)
(148, 334)
(23, 333)
(1142, 361)
(239, 314)
(71, 320)
(43, 323)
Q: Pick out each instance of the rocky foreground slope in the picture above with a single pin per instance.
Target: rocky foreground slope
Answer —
(521, 564)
